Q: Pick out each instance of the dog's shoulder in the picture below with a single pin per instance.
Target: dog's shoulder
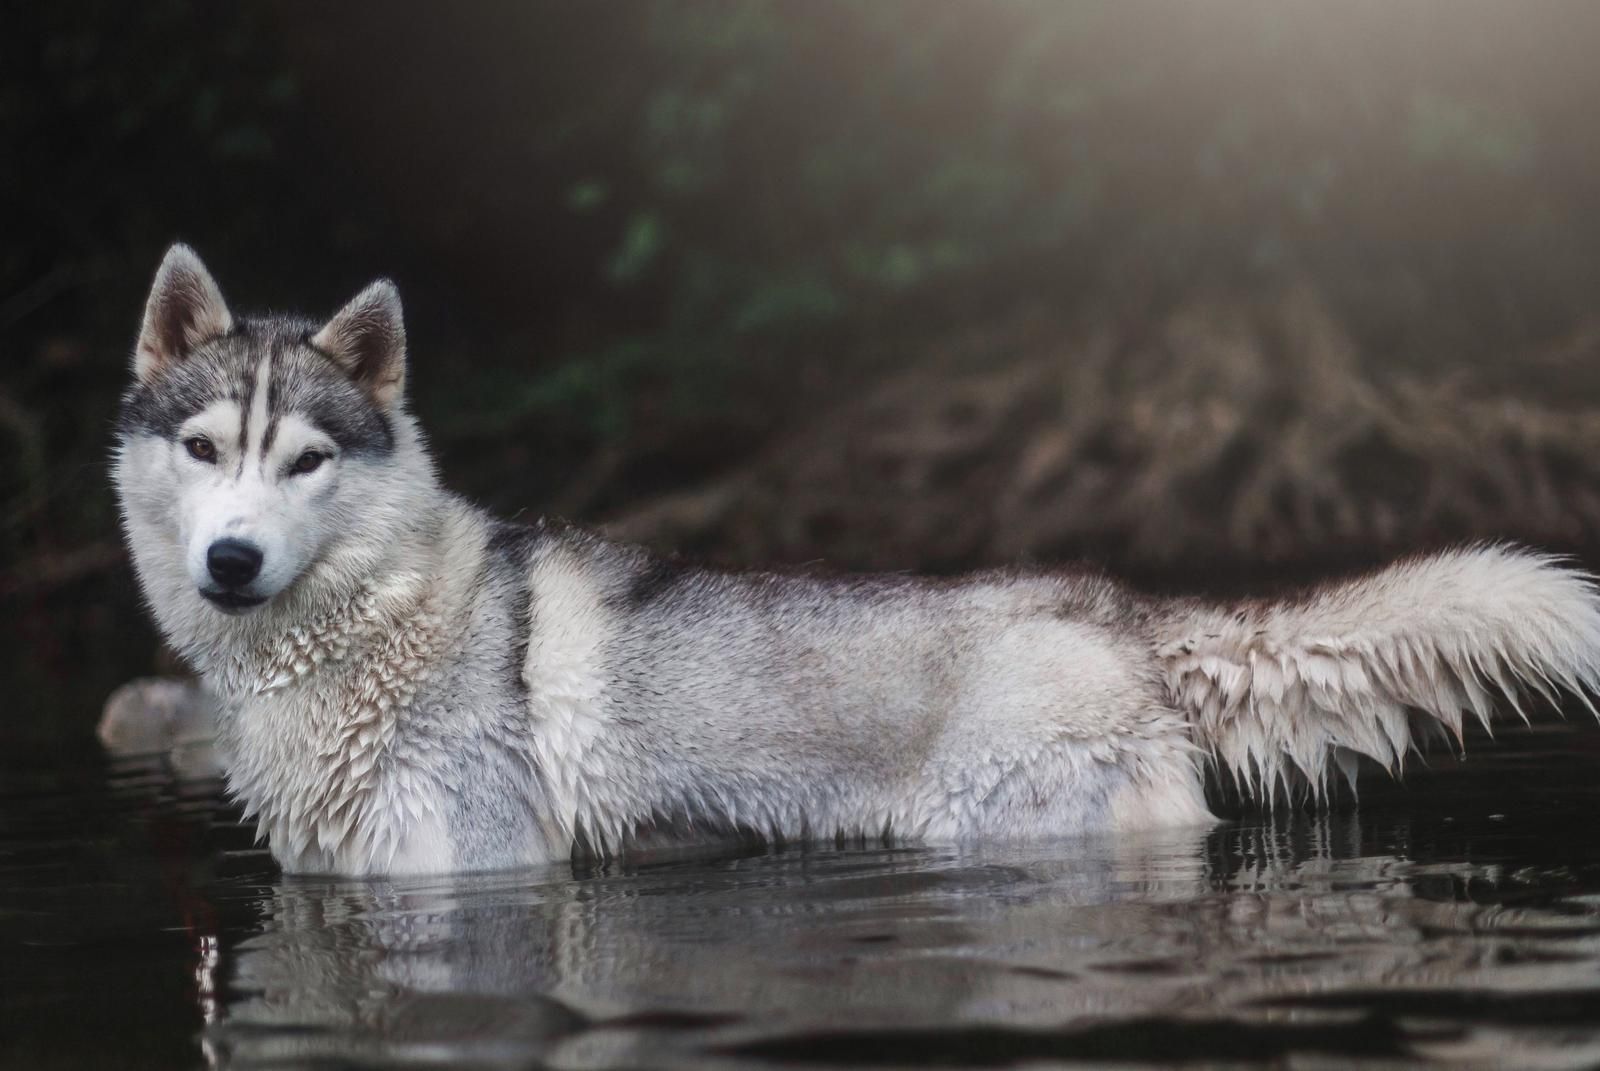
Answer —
(524, 544)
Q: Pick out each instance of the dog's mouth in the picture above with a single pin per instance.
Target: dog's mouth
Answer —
(233, 602)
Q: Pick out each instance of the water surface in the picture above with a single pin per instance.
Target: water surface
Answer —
(1455, 920)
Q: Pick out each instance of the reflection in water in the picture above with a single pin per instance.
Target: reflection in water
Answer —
(1457, 920)
(1253, 941)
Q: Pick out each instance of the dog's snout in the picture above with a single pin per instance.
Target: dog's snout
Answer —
(233, 563)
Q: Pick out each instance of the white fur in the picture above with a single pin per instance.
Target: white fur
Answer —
(242, 497)
(426, 692)
(564, 672)
(1282, 693)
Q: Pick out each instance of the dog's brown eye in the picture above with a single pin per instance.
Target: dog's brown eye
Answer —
(200, 448)
(309, 461)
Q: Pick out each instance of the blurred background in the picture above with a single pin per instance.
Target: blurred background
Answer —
(1218, 294)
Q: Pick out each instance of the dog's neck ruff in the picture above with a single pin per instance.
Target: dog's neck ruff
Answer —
(316, 712)
(324, 637)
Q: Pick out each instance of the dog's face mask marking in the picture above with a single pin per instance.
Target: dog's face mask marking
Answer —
(242, 434)
(250, 512)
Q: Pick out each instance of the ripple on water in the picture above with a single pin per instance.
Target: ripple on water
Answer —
(1456, 920)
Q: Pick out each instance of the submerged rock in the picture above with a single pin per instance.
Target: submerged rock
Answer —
(166, 716)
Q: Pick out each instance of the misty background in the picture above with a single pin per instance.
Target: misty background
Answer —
(1218, 295)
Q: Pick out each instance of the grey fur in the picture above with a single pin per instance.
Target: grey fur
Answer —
(300, 380)
(428, 689)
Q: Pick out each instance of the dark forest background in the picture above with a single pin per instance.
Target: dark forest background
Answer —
(1215, 293)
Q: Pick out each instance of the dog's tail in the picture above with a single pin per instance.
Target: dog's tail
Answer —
(1282, 693)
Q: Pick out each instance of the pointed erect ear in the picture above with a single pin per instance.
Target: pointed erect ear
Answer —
(185, 308)
(367, 338)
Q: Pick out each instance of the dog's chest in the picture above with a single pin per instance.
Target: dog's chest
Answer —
(317, 751)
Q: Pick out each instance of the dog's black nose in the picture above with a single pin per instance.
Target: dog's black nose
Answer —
(233, 563)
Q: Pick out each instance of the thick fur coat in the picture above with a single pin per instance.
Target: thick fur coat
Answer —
(408, 685)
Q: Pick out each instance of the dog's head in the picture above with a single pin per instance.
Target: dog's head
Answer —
(254, 453)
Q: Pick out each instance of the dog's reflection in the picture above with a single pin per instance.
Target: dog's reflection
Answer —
(664, 962)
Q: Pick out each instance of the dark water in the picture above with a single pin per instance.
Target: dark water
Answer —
(1455, 920)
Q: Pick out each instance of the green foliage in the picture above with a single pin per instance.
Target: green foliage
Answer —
(801, 162)
(641, 242)
(728, 177)
(1447, 129)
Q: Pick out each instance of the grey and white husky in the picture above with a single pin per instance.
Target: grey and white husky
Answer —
(408, 685)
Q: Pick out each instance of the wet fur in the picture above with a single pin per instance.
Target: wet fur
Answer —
(436, 690)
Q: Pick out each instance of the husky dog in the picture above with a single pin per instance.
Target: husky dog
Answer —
(407, 685)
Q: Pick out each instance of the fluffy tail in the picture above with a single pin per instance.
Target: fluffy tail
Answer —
(1281, 693)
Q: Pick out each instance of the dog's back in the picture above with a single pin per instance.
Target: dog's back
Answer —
(798, 705)
(1011, 704)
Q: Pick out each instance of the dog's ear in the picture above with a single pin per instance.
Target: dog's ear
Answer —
(367, 338)
(184, 309)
